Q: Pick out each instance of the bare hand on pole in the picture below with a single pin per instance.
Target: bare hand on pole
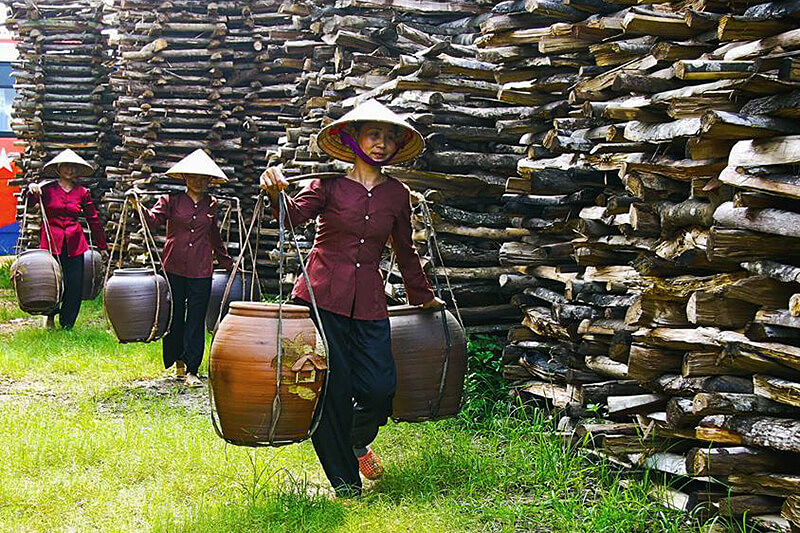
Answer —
(434, 303)
(273, 182)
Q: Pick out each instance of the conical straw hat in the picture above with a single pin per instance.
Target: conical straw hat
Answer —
(198, 162)
(370, 111)
(50, 169)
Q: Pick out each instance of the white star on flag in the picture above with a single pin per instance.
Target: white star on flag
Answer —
(5, 161)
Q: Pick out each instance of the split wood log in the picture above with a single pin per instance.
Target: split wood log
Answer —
(707, 309)
(782, 434)
(734, 460)
(777, 389)
(630, 405)
(729, 403)
(749, 504)
(782, 485)
(774, 221)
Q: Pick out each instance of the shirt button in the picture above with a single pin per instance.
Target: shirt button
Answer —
(358, 265)
(366, 217)
(194, 217)
(195, 205)
(369, 194)
(190, 245)
(192, 230)
(361, 241)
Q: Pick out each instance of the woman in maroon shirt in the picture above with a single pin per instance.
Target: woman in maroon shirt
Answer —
(356, 214)
(64, 201)
(192, 238)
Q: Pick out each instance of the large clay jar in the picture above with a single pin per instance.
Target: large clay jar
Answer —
(135, 299)
(243, 374)
(36, 277)
(419, 346)
(242, 290)
(92, 274)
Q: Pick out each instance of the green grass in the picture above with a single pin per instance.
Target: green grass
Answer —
(85, 446)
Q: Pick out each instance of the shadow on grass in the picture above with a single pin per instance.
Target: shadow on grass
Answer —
(292, 508)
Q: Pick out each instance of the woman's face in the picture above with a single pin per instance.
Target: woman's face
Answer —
(378, 140)
(68, 171)
(196, 183)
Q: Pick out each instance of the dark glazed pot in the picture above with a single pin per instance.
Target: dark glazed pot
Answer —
(93, 274)
(419, 348)
(135, 299)
(36, 277)
(243, 373)
(242, 290)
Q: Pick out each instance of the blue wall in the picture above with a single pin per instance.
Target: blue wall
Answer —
(8, 238)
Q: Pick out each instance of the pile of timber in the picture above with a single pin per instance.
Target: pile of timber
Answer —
(658, 293)
(419, 58)
(62, 94)
(213, 75)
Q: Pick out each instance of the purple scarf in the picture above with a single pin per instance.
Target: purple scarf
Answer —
(348, 140)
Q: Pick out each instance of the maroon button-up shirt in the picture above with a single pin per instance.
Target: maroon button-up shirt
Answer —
(63, 209)
(353, 225)
(192, 234)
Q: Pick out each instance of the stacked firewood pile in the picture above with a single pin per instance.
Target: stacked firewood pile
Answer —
(659, 314)
(419, 58)
(62, 95)
(216, 76)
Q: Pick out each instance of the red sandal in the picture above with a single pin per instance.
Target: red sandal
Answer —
(370, 465)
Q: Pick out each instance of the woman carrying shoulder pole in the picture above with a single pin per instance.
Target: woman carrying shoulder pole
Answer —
(65, 200)
(192, 240)
(356, 215)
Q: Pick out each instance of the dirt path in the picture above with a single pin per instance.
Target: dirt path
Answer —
(165, 390)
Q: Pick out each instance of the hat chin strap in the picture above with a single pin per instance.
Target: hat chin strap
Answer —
(348, 140)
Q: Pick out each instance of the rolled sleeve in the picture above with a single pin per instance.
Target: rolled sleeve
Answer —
(418, 288)
(305, 205)
(93, 219)
(159, 213)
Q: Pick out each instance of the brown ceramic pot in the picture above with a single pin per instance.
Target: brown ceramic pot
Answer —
(243, 373)
(419, 348)
(242, 290)
(134, 300)
(36, 277)
(92, 274)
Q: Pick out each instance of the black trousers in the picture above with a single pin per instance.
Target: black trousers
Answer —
(186, 339)
(361, 383)
(72, 276)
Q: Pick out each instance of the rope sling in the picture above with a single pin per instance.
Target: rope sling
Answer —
(276, 409)
(57, 272)
(152, 253)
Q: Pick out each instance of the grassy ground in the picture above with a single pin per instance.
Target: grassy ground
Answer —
(95, 435)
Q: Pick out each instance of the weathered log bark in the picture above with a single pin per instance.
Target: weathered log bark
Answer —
(769, 484)
(707, 309)
(708, 363)
(779, 317)
(605, 366)
(777, 389)
(728, 403)
(735, 460)
(680, 386)
(742, 245)
(782, 434)
(773, 221)
(791, 510)
(645, 363)
(680, 413)
(749, 504)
